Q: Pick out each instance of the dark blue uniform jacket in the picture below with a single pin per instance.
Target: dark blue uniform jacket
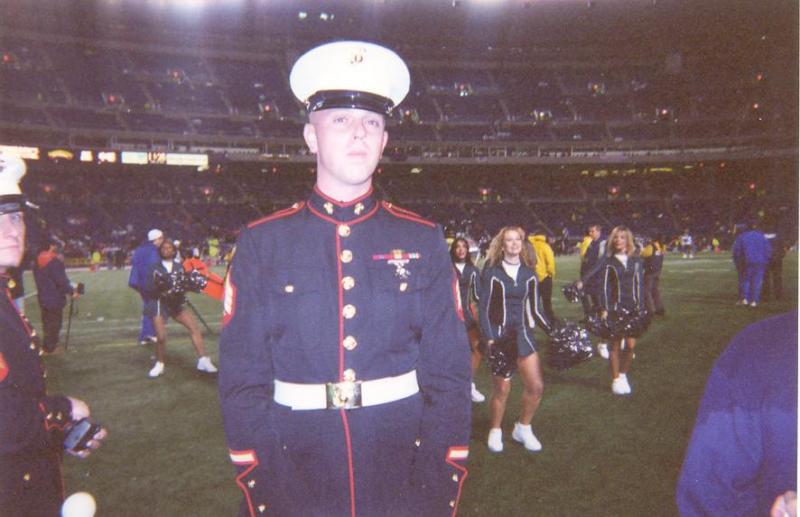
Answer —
(144, 256)
(321, 292)
(31, 422)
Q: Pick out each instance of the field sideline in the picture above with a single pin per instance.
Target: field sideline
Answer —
(603, 455)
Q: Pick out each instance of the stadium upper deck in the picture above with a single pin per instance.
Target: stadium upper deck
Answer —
(208, 86)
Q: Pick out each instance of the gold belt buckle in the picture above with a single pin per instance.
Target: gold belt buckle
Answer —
(343, 395)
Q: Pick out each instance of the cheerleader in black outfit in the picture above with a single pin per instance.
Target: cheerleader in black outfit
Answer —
(510, 307)
(622, 273)
(468, 280)
(169, 301)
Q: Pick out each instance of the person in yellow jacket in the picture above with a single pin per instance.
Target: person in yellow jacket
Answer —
(545, 269)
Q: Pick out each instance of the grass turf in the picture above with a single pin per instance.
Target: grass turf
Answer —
(603, 455)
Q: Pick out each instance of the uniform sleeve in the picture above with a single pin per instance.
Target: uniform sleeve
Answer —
(722, 461)
(28, 423)
(444, 376)
(484, 298)
(536, 306)
(246, 378)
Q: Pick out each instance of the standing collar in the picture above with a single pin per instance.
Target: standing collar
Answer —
(343, 211)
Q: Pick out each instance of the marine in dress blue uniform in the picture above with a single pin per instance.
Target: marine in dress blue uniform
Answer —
(344, 379)
(32, 422)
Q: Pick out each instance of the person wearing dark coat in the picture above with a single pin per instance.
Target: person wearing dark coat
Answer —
(52, 289)
(752, 250)
(32, 421)
(622, 275)
(510, 308)
(344, 374)
(143, 258)
(468, 283)
(653, 256)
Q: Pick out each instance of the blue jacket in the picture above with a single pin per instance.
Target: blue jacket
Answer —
(468, 283)
(743, 450)
(324, 292)
(144, 256)
(619, 285)
(52, 284)
(592, 257)
(751, 247)
(511, 304)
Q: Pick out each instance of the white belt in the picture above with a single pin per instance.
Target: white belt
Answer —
(346, 394)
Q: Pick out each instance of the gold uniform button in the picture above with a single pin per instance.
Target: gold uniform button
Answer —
(346, 256)
(358, 208)
(262, 508)
(27, 476)
(349, 343)
(455, 478)
(344, 230)
(349, 311)
(417, 442)
(33, 346)
(289, 288)
(349, 375)
(251, 483)
(328, 207)
(403, 286)
(452, 504)
(348, 283)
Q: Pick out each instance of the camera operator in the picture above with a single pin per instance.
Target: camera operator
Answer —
(166, 286)
(52, 286)
(32, 423)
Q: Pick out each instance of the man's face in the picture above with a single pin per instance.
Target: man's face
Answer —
(594, 233)
(348, 144)
(12, 239)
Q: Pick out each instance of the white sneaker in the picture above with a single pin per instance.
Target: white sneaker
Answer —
(157, 370)
(495, 441)
(602, 349)
(753, 304)
(620, 386)
(204, 364)
(524, 435)
(477, 396)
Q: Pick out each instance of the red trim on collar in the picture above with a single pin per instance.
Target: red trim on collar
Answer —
(343, 203)
(350, 223)
(402, 213)
(279, 214)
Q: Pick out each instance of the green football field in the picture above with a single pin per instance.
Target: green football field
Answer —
(603, 454)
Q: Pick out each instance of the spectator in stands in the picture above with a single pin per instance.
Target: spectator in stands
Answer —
(468, 282)
(508, 299)
(52, 289)
(752, 251)
(621, 274)
(144, 256)
(592, 249)
(653, 256)
(166, 299)
(742, 457)
(545, 269)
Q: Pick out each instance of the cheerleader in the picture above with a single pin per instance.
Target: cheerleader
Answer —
(621, 272)
(169, 301)
(468, 279)
(509, 306)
